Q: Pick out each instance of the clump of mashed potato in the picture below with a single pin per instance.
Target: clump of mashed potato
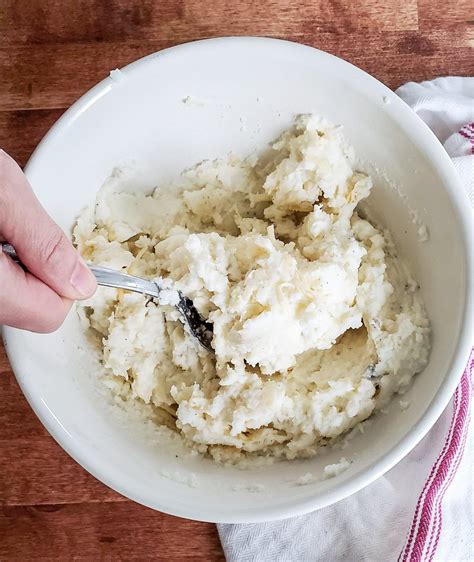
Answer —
(316, 323)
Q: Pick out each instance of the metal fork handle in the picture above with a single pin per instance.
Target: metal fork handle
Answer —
(106, 277)
(112, 278)
(9, 250)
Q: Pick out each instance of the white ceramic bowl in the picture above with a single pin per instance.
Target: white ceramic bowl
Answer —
(250, 90)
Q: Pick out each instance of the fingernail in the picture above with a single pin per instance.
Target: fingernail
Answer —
(82, 279)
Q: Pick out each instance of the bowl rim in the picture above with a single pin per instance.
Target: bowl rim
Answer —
(454, 372)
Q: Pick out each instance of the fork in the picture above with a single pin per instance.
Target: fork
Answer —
(106, 277)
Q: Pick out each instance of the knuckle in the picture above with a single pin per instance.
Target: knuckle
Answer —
(54, 248)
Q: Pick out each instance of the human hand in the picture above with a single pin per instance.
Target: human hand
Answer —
(37, 300)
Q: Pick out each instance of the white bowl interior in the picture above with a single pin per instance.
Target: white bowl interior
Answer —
(243, 93)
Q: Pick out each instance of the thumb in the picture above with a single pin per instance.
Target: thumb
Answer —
(40, 244)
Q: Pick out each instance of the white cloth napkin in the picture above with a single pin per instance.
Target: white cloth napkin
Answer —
(386, 521)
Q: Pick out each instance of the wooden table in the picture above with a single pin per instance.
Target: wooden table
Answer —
(51, 52)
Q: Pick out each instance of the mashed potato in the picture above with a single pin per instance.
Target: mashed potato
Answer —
(316, 323)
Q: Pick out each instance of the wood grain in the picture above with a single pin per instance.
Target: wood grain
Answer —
(442, 14)
(178, 21)
(51, 52)
(21, 131)
(98, 531)
(68, 70)
(36, 472)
